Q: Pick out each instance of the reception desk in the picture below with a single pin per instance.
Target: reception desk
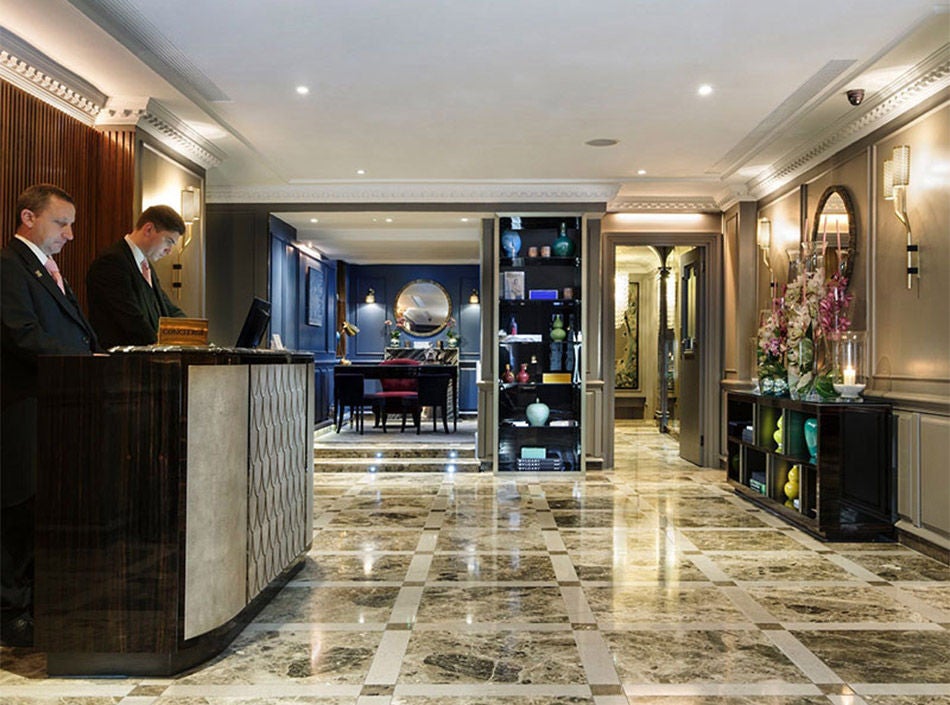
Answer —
(174, 498)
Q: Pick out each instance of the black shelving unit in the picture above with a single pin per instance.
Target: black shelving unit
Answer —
(845, 491)
(555, 368)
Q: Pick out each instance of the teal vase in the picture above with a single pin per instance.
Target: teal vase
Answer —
(811, 435)
(562, 246)
(537, 413)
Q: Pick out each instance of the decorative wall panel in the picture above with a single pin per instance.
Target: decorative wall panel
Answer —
(280, 465)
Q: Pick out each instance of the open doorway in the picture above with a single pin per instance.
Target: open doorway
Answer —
(659, 314)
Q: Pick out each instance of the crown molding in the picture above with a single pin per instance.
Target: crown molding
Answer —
(419, 192)
(30, 70)
(928, 78)
(661, 205)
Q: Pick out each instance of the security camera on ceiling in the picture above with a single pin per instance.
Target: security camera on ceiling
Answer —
(855, 96)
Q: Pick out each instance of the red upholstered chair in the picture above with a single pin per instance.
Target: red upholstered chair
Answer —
(399, 396)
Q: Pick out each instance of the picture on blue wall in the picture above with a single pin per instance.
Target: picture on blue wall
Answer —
(315, 296)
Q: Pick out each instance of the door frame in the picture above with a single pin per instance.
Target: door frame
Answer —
(709, 395)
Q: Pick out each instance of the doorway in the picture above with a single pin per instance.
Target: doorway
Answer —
(659, 316)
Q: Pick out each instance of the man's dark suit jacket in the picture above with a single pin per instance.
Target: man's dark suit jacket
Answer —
(123, 308)
(36, 318)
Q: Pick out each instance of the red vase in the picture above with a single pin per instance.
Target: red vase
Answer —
(523, 375)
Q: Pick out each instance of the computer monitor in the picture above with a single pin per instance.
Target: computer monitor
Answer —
(258, 316)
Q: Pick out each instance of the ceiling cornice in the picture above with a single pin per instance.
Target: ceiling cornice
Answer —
(30, 70)
(663, 205)
(419, 192)
(925, 80)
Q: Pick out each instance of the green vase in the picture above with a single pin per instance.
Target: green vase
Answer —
(557, 329)
(562, 246)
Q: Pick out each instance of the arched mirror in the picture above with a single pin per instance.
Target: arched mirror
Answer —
(423, 308)
(836, 226)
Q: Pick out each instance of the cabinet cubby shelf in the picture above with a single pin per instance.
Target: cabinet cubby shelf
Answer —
(507, 263)
(845, 492)
(557, 303)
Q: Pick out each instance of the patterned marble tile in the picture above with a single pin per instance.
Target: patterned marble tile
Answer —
(611, 540)
(313, 657)
(620, 603)
(777, 566)
(395, 517)
(902, 566)
(936, 595)
(491, 605)
(504, 567)
(365, 567)
(763, 539)
(459, 539)
(492, 700)
(662, 567)
(832, 604)
(330, 605)
(386, 539)
(497, 657)
(883, 656)
(730, 700)
(702, 656)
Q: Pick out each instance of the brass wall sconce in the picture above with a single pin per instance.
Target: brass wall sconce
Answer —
(896, 180)
(190, 204)
(371, 296)
(763, 237)
(473, 297)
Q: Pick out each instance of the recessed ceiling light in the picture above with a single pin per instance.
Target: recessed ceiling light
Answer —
(314, 220)
(389, 220)
(302, 90)
(361, 171)
(602, 142)
(705, 89)
(641, 172)
(464, 220)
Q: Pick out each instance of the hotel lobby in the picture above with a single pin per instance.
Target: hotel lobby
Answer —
(597, 226)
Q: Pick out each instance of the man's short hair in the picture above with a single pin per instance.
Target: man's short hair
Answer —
(164, 218)
(36, 198)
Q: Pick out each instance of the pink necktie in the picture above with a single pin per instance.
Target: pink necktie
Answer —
(146, 272)
(54, 272)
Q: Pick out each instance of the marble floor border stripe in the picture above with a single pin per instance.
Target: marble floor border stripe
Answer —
(934, 689)
(719, 689)
(406, 605)
(861, 626)
(806, 661)
(596, 658)
(491, 690)
(747, 605)
(612, 626)
(70, 688)
(387, 662)
(264, 690)
(254, 627)
(491, 627)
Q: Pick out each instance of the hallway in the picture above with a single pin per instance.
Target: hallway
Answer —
(649, 584)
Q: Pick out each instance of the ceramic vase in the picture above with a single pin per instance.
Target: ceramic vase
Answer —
(811, 435)
(562, 246)
(557, 328)
(507, 376)
(510, 243)
(523, 377)
(537, 413)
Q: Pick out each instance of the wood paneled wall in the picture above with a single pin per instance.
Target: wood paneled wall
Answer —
(39, 143)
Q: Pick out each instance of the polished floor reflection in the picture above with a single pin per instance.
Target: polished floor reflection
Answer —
(652, 583)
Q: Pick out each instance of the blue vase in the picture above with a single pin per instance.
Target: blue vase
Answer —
(510, 243)
(811, 436)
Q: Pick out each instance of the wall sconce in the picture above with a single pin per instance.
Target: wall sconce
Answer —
(896, 179)
(371, 296)
(190, 204)
(349, 329)
(473, 297)
(763, 237)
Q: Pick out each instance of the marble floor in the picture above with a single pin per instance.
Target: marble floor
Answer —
(651, 583)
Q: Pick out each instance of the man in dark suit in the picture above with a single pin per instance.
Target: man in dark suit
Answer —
(39, 315)
(125, 297)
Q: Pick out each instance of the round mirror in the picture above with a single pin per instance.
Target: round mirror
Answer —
(836, 226)
(423, 308)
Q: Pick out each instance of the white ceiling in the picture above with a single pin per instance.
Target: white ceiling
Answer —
(490, 101)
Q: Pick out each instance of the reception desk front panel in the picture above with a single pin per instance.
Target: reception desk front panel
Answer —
(174, 498)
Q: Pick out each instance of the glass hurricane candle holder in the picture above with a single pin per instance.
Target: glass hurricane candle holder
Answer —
(850, 371)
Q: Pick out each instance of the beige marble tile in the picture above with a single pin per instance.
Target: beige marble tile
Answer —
(779, 566)
(499, 657)
(702, 656)
(491, 605)
(619, 603)
(832, 604)
(354, 605)
(503, 567)
(354, 567)
(386, 539)
(762, 539)
(902, 566)
(665, 567)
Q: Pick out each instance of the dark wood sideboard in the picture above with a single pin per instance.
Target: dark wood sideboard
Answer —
(174, 499)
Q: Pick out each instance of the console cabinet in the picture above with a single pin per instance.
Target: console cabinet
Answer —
(539, 351)
(842, 491)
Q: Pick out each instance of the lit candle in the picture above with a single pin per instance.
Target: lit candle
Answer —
(838, 234)
(848, 375)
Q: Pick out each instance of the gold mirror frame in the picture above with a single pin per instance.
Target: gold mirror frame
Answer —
(849, 237)
(423, 308)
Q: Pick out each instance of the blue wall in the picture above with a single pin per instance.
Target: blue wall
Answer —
(289, 277)
(386, 281)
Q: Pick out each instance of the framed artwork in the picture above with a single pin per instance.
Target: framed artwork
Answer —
(627, 362)
(316, 296)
